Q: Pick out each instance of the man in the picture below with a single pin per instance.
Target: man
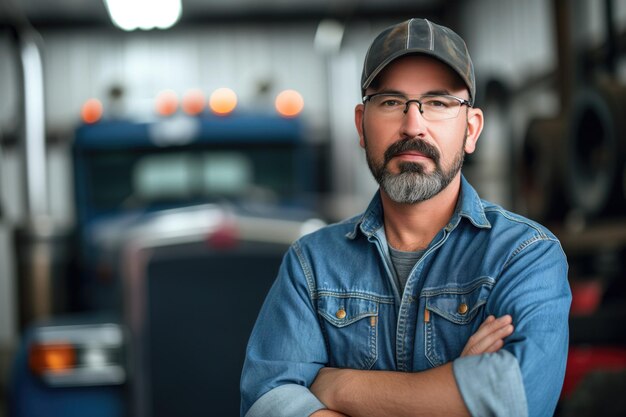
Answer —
(393, 312)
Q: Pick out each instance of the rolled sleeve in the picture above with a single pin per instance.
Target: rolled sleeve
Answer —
(534, 290)
(491, 384)
(285, 401)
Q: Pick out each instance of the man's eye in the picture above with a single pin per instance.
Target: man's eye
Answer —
(391, 102)
(437, 103)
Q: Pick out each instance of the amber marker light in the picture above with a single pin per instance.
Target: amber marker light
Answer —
(289, 103)
(166, 103)
(193, 102)
(223, 101)
(91, 111)
(52, 357)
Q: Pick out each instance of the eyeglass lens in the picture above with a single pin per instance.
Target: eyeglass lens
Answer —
(432, 107)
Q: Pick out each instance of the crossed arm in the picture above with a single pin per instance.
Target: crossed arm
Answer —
(349, 392)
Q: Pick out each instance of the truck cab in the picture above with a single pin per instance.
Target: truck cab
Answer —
(181, 225)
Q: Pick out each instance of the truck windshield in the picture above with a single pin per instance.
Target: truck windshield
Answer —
(162, 177)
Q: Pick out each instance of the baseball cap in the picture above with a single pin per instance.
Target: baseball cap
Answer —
(419, 36)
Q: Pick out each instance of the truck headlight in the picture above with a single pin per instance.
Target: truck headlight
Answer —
(80, 355)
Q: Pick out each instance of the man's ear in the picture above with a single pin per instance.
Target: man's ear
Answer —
(358, 121)
(475, 123)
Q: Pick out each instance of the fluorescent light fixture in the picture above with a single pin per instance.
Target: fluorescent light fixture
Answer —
(144, 14)
(328, 36)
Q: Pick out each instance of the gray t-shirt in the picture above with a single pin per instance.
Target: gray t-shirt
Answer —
(403, 262)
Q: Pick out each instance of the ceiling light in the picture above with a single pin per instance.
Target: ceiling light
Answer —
(144, 14)
(223, 101)
(289, 103)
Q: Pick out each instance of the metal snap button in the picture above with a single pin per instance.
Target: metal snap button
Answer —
(463, 308)
(341, 314)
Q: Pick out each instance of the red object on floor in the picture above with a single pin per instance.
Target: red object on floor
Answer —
(582, 360)
(586, 297)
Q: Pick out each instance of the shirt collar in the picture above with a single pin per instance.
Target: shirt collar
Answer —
(469, 206)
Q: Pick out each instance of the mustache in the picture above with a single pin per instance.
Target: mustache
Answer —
(418, 145)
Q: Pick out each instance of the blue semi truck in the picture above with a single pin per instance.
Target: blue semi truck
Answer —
(181, 224)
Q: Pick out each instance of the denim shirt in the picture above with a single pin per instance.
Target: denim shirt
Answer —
(336, 303)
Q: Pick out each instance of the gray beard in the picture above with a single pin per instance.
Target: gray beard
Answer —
(412, 184)
(412, 187)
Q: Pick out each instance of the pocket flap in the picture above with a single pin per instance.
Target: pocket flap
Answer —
(458, 304)
(344, 310)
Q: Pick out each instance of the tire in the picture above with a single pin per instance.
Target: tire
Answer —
(595, 146)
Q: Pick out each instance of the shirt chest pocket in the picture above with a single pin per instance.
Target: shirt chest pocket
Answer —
(451, 316)
(350, 324)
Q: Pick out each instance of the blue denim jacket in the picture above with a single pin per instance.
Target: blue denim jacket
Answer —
(336, 303)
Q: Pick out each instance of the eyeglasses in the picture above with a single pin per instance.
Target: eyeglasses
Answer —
(433, 107)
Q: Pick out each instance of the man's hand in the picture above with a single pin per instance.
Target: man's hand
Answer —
(489, 337)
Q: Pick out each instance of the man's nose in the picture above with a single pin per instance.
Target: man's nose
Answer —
(413, 122)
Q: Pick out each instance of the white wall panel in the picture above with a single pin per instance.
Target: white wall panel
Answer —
(509, 39)
(79, 67)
